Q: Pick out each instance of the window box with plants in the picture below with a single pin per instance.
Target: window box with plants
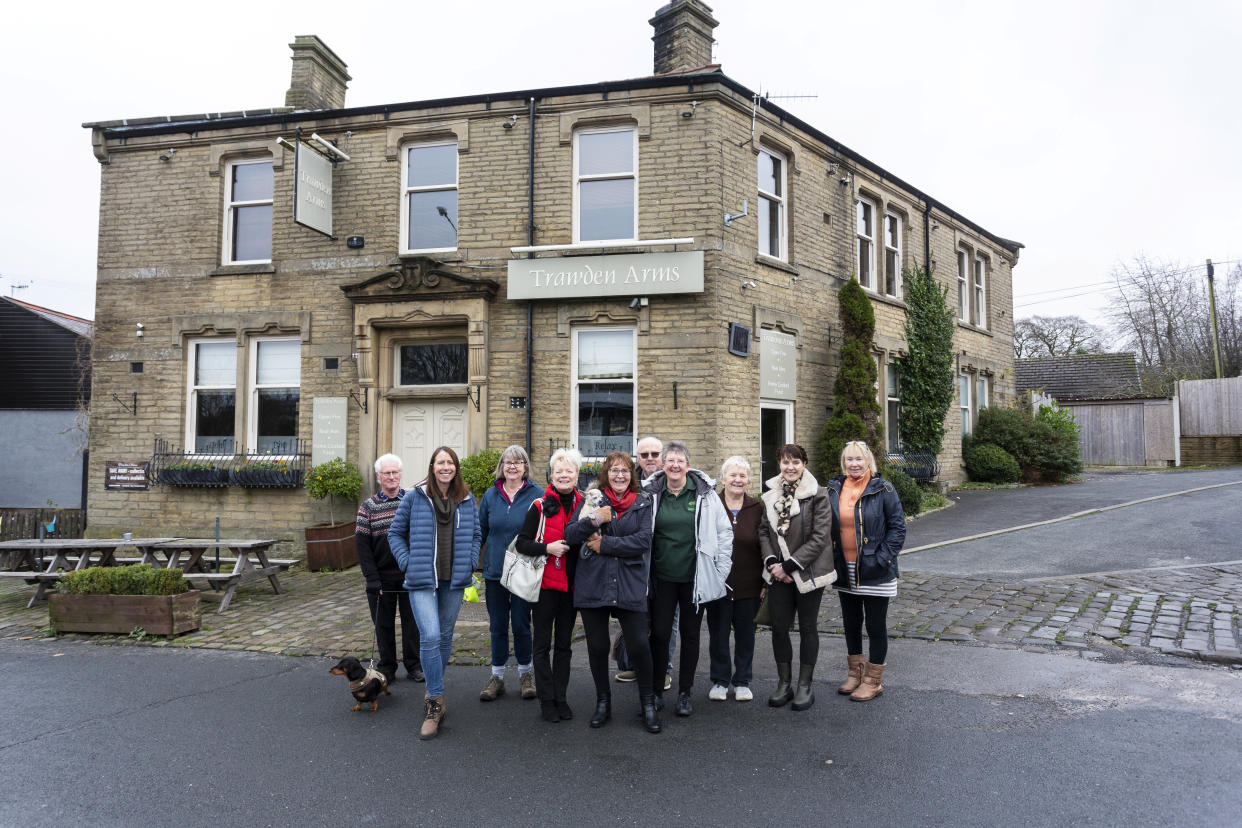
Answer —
(331, 545)
(193, 473)
(122, 599)
(266, 473)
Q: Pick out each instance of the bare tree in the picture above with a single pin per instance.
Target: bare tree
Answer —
(1044, 336)
(1161, 313)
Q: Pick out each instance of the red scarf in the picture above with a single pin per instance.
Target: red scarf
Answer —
(555, 571)
(620, 504)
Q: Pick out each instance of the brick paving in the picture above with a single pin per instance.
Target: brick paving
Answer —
(1169, 614)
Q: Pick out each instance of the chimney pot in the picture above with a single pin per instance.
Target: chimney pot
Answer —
(683, 36)
(319, 76)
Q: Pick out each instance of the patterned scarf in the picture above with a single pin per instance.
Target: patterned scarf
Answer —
(784, 506)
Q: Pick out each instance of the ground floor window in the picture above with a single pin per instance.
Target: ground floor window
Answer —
(892, 408)
(269, 376)
(963, 395)
(604, 378)
(276, 366)
(211, 410)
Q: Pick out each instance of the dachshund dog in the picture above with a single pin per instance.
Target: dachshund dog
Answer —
(365, 683)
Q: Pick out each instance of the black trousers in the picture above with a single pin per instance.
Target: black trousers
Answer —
(553, 619)
(666, 597)
(633, 628)
(784, 601)
(384, 608)
(874, 610)
(738, 615)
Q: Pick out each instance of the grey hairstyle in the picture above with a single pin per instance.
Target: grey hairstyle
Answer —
(514, 452)
(675, 445)
(384, 458)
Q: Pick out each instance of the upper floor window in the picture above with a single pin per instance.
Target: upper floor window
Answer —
(605, 184)
(248, 215)
(275, 391)
(212, 404)
(979, 308)
(429, 200)
(772, 221)
(892, 254)
(603, 390)
(963, 285)
(866, 243)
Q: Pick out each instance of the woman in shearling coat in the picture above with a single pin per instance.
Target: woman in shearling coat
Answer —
(797, 565)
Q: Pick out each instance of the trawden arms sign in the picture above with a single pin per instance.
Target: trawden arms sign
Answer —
(586, 277)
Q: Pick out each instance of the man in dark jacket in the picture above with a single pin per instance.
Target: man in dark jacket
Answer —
(385, 592)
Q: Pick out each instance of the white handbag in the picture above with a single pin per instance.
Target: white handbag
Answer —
(523, 574)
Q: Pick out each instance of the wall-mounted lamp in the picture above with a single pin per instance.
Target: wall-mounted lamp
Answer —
(846, 179)
(689, 113)
(935, 225)
(167, 156)
(748, 284)
(138, 332)
(509, 122)
(729, 217)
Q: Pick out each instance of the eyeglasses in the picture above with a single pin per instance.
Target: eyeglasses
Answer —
(514, 464)
(619, 471)
(648, 455)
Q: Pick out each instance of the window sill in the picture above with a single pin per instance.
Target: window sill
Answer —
(779, 264)
(886, 299)
(453, 255)
(243, 269)
(968, 326)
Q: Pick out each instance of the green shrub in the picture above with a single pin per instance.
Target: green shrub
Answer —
(137, 579)
(839, 429)
(989, 463)
(1046, 447)
(479, 470)
(335, 478)
(907, 490)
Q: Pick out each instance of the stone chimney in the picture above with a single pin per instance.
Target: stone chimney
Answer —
(319, 76)
(683, 36)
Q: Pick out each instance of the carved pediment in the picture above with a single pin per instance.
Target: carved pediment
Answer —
(420, 278)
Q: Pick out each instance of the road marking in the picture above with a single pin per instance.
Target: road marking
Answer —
(1073, 516)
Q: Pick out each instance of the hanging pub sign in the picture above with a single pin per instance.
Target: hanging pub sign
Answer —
(312, 189)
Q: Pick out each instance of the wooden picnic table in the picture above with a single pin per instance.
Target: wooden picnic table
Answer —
(22, 558)
(248, 559)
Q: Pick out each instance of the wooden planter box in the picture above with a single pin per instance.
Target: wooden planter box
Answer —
(330, 545)
(121, 614)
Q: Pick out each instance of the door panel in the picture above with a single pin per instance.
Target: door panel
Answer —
(420, 427)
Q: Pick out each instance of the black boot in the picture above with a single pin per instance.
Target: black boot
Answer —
(651, 718)
(783, 693)
(603, 711)
(804, 698)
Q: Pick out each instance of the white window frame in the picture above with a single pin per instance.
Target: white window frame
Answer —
(191, 408)
(230, 206)
(979, 291)
(616, 176)
(575, 382)
(964, 384)
(406, 190)
(892, 395)
(963, 284)
(892, 250)
(252, 396)
(983, 393)
(777, 202)
(867, 269)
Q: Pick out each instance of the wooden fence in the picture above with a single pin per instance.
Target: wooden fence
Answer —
(18, 524)
(1125, 432)
(1211, 414)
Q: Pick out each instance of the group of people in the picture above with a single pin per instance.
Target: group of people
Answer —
(657, 548)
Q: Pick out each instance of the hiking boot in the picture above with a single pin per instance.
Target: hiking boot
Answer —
(494, 689)
(433, 714)
(526, 684)
(627, 675)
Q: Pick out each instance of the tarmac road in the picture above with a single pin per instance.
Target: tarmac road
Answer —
(962, 736)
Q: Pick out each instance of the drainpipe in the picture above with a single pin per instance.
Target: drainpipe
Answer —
(530, 242)
(927, 235)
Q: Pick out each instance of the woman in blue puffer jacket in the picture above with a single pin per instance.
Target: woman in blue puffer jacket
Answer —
(435, 538)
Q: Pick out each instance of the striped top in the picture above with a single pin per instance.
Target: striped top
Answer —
(887, 589)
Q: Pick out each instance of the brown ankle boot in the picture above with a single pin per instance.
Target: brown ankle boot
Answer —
(855, 675)
(433, 715)
(871, 686)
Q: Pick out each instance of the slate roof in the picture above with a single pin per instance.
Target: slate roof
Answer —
(1080, 377)
(76, 324)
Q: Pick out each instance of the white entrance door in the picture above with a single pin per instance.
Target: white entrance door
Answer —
(420, 427)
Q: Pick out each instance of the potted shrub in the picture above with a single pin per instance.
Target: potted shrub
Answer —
(331, 545)
(121, 599)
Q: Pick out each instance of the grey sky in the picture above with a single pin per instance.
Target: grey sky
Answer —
(1088, 131)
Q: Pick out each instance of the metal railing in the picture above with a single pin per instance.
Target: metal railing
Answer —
(217, 464)
(920, 466)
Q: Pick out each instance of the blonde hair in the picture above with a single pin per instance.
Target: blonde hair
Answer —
(860, 447)
(569, 456)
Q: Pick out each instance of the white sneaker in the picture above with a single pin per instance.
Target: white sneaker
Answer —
(719, 692)
(742, 693)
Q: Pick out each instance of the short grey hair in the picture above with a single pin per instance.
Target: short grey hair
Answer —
(657, 440)
(736, 461)
(675, 445)
(514, 452)
(387, 458)
(570, 456)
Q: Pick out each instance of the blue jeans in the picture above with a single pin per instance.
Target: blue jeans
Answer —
(435, 613)
(502, 607)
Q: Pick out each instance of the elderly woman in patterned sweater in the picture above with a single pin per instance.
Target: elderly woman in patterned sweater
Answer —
(868, 531)
(383, 575)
